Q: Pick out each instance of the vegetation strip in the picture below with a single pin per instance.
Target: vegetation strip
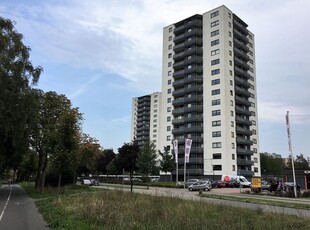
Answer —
(254, 200)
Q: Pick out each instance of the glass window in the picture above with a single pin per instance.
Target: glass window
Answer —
(168, 118)
(214, 14)
(216, 112)
(215, 52)
(170, 29)
(216, 123)
(215, 81)
(216, 134)
(215, 62)
(216, 102)
(217, 156)
(216, 145)
(215, 23)
(170, 38)
(215, 71)
(214, 33)
(215, 42)
(169, 82)
(217, 167)
(215, 91)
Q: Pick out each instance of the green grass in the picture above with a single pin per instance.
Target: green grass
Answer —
(84, 208)
(259, 200)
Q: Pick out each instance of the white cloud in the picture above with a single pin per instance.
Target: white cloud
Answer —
(84, 86)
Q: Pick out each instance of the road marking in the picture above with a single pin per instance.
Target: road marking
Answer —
(6, 204)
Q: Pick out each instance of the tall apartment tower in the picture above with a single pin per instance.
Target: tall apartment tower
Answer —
(145, 118)
(209, 94)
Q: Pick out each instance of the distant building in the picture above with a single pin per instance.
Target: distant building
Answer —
(208, 95)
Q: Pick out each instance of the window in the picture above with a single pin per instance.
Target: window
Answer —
(217, 167)
(168, 138)
(231, 93)
(170, 55)
(232, 124)
(252, 95)
(154, 136)
(217, 156)
(214, 33)
(231, 83)
(255, 141)
(230, 62)
(254, 131)
(216, 145)
(215, 91)
(215, 52)
(170, 29)
(232, 134)
(233, 168)
(255, 169)
(233, 145)
(168, 118)
(229, 15)
(215, 62)
(233, 156)
(216, 112)
(155, 115)
(255, 150)
(155, 126)
(215, 81)
(215, 23)
(169, 73)
(215, 42)
(169, 82)
(170, 47)
(253, 113)
(216, 102)
(230, 44)
(216, 123)
(255, 160)
(250, 44)
(169, 64)
(229, 24)
(251, 53)
(169, 91)
(170, 38)
(252, 86)
(230, 53)
(251, 61)
(215, 71)
(169, 100)
(168, 128)
(168, 109)
(229, 33)
(230, 72)
(253, 122)
(216, 134)
(231, 102)
(155, 111)
(214, 14)
(232, 113)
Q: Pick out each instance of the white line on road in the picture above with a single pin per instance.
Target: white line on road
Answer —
(6, 204)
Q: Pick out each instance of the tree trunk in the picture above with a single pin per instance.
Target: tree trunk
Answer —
(43, 175)
(39, 170)
(58, 188)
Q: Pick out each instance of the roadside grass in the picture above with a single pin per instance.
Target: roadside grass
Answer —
(259, 200)
(116, 209)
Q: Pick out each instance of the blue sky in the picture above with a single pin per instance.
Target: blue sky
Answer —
(101, 53)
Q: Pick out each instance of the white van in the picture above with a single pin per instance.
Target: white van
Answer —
(241, 179)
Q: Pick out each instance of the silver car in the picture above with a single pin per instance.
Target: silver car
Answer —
(200, 185)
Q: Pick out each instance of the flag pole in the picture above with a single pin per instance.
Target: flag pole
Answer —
(291, 151)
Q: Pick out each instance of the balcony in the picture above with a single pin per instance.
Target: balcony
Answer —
(242, 72)
(240, 27)
(193, 119)
(178, 74)
(243, 151)
(243, 121)
(183, 130)
(179, 47)
(242, 101)
(246, 173)
(243, 141)
(240, 82)
(242, 111)
(242, 63)
(194, 108)
(178, 121)
(240, 53)
(177, 112)
(243, 131)
(242, 91)
(190, 172)
(241, 45)
(241, 36)
(192, 160)
(245, 162)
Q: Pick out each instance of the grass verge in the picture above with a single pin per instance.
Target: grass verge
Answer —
(115, 209)
(257, 200)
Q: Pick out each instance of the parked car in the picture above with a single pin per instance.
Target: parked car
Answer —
(94, 182)
(218, 184)
(265, 185)
(156, 179)
(136, 179)
(190, 182)
(200, 185)
(86, 182)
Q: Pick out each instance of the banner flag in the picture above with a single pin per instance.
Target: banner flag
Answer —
(288, 131)
(175, 147)
(188, 145)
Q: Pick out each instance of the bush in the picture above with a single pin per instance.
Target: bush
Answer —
(306, 194)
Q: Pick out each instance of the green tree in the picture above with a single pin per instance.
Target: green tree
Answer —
(147, 159)
(299, 163)
(28, 166)
(271, 164)
(17, 76)
(106, 157)
(167, 161)
(44, 139)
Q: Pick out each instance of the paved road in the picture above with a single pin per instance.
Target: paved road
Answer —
(18, 211)
(185, 194)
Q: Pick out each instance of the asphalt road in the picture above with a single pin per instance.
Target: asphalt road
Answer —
(18, 211)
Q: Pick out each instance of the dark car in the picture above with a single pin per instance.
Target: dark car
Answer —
(200, 185)
(265, 185)
(94, 182)
(218, 184)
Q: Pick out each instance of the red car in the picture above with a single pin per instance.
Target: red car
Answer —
(218, 184)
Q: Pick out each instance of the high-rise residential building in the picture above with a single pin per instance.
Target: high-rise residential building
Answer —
(145, 118)
(209, 95)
